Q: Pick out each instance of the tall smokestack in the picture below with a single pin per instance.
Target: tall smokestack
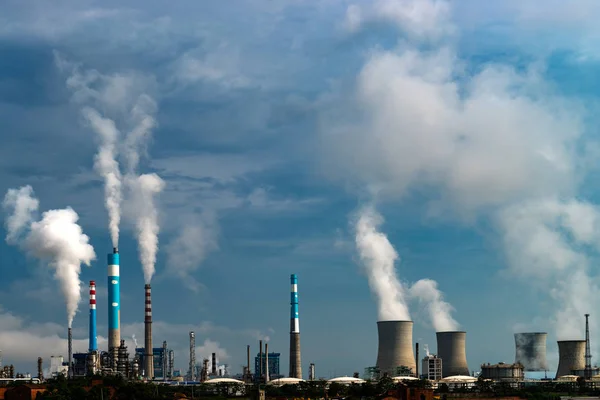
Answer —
(248, 355)
(295, 359)
(417, 359)
(395, 346)
(266, 362)
(40, 369)
(93, 344)
(70, 351)
(451, 349)
(214, 364)
(571, 357)
(260, 361)
(192, 356)
(114, 301)
(149, 356)
(531, 350)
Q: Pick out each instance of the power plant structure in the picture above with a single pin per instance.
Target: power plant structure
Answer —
(295, 358)
(114, 307)
(451, 348)
(70, 351)
(94, 356)
(530, 351)
(395, 348)
(191, 373)
(149, 356)
(571, 357)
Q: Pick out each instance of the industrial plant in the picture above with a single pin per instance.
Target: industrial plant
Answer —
(397, 354)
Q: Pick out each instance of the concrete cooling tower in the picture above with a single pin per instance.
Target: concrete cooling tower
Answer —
(395, 346)
(451, 349)
(531, 351)
(571, 356)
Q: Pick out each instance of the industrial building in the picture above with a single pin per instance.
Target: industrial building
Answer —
(503, 372)
(273, 361)
(162, 358)
(431, 368)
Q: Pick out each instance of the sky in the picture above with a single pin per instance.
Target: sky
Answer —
(349, 142)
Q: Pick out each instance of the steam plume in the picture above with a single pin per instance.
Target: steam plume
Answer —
(107, 166)
(145, 187)
(21, 206)
(439, 311)
(56, 239)
(378, 256)
(133, 338)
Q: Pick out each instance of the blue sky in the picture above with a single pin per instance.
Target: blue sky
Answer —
(470, 126)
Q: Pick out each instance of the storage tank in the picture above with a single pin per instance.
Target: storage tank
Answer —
(503, 372)
(451, 349)
(395, 346)
(531, 350)
(571, 357)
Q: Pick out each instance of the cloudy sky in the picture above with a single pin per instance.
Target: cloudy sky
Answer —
(468, 130)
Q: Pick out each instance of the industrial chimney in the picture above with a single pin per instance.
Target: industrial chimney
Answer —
(531, 350)
(93, 341)
(295, 359)
(192, 356)
(571, 356)
(214, 364)
(114, 306)
(40, 369)
(266, 362)
(451, 349)
(70, 351)
(395, 346)
(149, 356)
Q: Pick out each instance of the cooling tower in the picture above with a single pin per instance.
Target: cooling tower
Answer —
(295, 359)
(114, 306)
(531, 351)
(451, 349)
(93, 343)
(149, 354)
(571, 356)
(395, 346)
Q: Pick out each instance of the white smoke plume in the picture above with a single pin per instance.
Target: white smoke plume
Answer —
(378, 256)
(21, 205)
(187, 251)
(144, 188)
(427, 292)
(426, 349)
(108, 167)
(134, 340)
(58, 240)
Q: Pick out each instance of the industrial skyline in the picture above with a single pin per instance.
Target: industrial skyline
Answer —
(220, 155)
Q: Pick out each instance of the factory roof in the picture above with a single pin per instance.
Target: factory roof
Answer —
(285, 381)
(346, 379)
(404, 378)
(223, 380)
(502, 365)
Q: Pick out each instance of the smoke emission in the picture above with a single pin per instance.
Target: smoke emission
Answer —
(57, 239)
(135, 343)
(378, 256)
(20, 205)
(528, 355)
(108, 167)
(145, 187)
(426, 291)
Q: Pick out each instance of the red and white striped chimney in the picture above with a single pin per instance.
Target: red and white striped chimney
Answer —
(93, 341)
(149, 356)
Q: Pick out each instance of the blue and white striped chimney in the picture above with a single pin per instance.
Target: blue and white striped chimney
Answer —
(114, 301)
(295, 359)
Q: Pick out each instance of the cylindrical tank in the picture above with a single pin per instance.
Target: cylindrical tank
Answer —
(571, 356)
(531, 350)
(395, 346)
(451, 349)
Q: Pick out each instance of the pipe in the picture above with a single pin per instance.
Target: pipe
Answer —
(149, 353)
(295, 358)
(417, 358)
(114, 298)
(93, 340)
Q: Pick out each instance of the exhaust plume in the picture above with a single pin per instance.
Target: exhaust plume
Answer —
(56, 239)
(135, 343)
(378, 256)
(426, 291)
(145, 187)
(108, 167)
(20, 205)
